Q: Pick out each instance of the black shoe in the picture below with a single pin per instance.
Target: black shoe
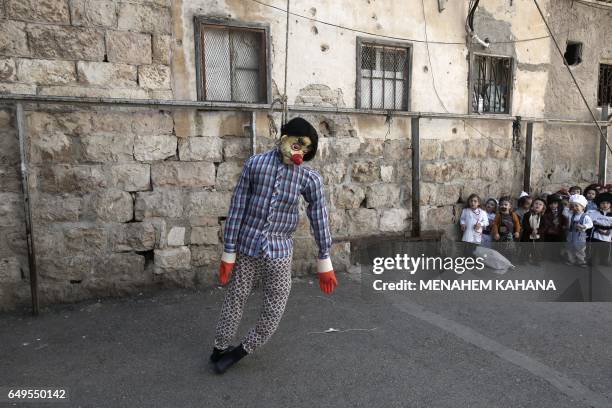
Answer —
(229, 359)
(218, 353)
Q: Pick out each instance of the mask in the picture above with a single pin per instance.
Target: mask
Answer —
(294, 148)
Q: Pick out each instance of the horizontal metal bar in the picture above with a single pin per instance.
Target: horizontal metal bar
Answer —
(237, 106)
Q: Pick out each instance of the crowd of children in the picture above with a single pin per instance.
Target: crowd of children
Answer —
(580, 219)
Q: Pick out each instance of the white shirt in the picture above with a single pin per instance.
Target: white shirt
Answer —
(603, 220)
(469, 218)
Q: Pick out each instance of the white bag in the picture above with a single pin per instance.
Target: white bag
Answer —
(492, 259)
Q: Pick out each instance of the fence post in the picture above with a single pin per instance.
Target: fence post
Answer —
(603, 149)
(416, 178)
(528, 151)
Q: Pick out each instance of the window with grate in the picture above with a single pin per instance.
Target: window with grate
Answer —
(383, 77)
(232, 62)
(604, 91)
(490, 84)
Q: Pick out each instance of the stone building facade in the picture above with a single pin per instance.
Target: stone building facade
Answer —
(128, 198)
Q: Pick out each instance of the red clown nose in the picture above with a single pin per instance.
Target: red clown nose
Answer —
(297, 159)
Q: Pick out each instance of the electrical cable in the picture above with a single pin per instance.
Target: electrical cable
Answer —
(383, 35)
(603, 136)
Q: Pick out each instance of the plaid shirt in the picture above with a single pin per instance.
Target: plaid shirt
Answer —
(264, 210)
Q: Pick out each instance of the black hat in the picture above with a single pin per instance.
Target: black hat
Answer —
(553, 198)
(301, 127)
(603, 197)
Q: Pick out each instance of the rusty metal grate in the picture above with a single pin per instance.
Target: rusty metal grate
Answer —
(233, 64)
(384, 81)
(491, 84)
(604, 91)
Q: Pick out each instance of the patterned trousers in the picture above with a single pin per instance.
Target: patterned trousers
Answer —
(276, 278)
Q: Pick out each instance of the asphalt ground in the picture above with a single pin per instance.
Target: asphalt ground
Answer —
(391, 350)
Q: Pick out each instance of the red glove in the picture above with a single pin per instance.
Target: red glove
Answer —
(327, 281)
(327, 277)
(227, 264)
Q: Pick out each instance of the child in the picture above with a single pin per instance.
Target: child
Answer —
(473, 220)
(555, 223)
(506, 227)
(579, 222)
(524, 204)
(601, 233)
(491, 209)
(575, 190)
(532, 231)
(590, 193)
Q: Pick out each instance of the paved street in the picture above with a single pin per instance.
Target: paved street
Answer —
(392, 351)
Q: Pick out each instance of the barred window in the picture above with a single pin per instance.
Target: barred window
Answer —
(604, 91)
(490, 84)
(231, 62)
(383, 77)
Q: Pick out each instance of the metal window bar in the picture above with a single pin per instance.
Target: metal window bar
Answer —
(233, 61)
(491, 84)
(384, 77)
(604, 90)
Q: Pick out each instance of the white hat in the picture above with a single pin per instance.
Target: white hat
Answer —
(578, 199)
(523, 194)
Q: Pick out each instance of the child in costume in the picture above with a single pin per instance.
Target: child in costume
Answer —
(473, 220)
(523, 205)
(602, 229)
(532, 232)
(506, 228)
(491, 209)
(554, 226)
(258, 239)
(590, 193)
(579, 222)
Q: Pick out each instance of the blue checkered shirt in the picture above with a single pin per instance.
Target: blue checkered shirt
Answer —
(264, 209)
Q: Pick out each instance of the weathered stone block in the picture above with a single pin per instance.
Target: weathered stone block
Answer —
(205, 255)
(152, 123)
(398, 149)
(8, 70)
(133, 236)
(176, 236)
(338, 223)
(127, 47)
(87, 239)
(204, 235)
(386, 174)
(16, 88)
(107, 147)
(65, 268)
(173, 258)
(431, 149)
(365, 172)
(131, 177)
(116, 270)
(201, 149)
(441, 171)
(144, 18)
(478, 148)
(362, 222)
(204, 221)
(13, 38)
(454, 149)
(183, 174)
(208, 203)
(371, 148)
(107, 74)
(47, 11)
(72, 43)
(438, 216)
(154, 147)
(383, 196)
(45, 72)
(162, 49)
(71, 179)
(489, 169)
(333, 173)
(10, 270)
(10, 179)
(224, 123)
(11, 209)
(349, 196)
(113, 205)
(159, 203)
(54, 146)
(47, 208)
(100, 13)
(228, 174)
(154, 76)
(394, 220)
(91, 92)
(236, 148)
